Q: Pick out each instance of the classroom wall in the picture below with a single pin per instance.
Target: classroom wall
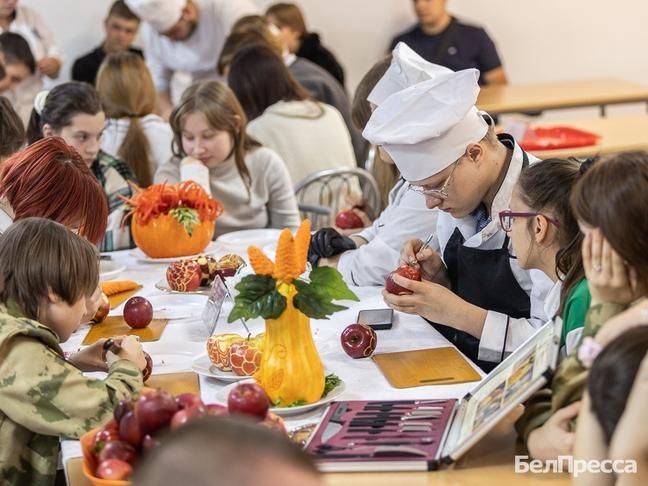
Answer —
(538, 40)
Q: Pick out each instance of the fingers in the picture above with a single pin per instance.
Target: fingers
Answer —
(401, 303)
(587, 255)
(567, 413)
(426, 255)
(597, 250)
(606, 261)
(412, 285)
(409, 251)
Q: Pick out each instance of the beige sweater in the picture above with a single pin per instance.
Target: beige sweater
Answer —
(271, 203)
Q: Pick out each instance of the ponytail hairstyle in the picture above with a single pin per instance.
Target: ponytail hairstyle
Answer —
(126, 89)
(546, 186)
(49, 179)
(57, 107)
(223, 112)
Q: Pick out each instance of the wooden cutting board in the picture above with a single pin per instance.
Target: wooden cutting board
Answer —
(438, 366)
(116, 326)
(117, 299)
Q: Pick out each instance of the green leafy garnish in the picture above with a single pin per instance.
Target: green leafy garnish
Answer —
(258, 297)
(330, 382)
(315, 298)
(296, 403)
(187, 217)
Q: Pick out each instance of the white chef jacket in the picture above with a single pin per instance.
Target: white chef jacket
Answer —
(197, 55)
(533, 282)
(405, 217)
(29, 24)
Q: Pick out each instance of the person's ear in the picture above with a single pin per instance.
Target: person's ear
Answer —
(53, 298)
(541, 229)
(475, 152)
(238, 123)
(48, 131)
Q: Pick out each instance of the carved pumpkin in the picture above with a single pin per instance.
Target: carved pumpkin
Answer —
(164, 237)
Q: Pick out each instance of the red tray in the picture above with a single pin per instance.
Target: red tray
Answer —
(557, 137)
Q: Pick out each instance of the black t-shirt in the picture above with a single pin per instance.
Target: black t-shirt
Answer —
(85, 68)
(312, 49)
(468, 47)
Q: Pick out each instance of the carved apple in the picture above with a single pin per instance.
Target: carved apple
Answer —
(184, 276)
(218, 347)
(407, 271)
(245, 357)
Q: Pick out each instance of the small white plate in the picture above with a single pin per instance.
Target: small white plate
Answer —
(163, 285)
(140, 256)
(171, 306)
(238, 241)
(203, 366)
(109, 269)
(223, 394)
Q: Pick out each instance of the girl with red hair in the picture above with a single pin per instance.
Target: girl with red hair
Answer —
(49, 179)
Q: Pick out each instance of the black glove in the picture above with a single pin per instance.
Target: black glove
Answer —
(326, 243)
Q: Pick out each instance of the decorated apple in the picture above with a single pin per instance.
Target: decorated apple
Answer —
(358, 341)
(208, 268)
(245, 357)
(248, 399)
(138, 312)
(155, 411)
(103, 310)
(118, 449)
(184, 276)
(228, 265)
(114, 469)
(348, 219)
(146, 372)
(407, 271)
(218, 347)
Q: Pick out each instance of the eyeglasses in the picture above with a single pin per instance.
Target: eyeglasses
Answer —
(507, 218)
(441, 193)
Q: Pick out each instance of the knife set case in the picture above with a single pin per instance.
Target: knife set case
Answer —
(426, 434)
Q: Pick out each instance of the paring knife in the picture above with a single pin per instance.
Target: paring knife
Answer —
(335, 422)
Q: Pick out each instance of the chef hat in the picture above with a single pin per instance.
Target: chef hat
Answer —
(161, 14)
(425, 116)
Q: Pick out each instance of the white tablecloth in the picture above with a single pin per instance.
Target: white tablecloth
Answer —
(186, 339)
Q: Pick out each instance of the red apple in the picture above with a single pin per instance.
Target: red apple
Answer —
(114, 469)
(248, 399)
(216, 409)
(348, 220)
(358, 341)
(245, 357)
(183, 416)
(130, 430)
(108, 432)
(407, 271)
(122, 407)
(138, 312)
(184, 276)
(118, 449)
(149, 443)
(146, 372)
(103, 310)
(155, 411)
(189, 400)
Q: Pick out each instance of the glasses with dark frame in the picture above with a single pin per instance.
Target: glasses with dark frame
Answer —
(507, 218)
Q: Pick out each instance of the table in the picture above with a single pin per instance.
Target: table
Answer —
(362, 378)
(618, 134)
(498, 100)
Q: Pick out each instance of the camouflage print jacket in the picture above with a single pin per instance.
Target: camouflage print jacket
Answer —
(43, 397)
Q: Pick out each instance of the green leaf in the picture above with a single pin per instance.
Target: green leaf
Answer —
(258, 297)
(330, 382)
(310, 303)
(187, 217)
(328, 283)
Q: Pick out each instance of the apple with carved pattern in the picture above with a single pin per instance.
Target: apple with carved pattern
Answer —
(184, 276)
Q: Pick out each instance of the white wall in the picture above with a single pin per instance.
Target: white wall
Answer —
(539, 40)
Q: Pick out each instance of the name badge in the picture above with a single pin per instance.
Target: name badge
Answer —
(217, 295)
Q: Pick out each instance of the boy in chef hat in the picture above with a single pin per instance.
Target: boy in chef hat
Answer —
(473, 291)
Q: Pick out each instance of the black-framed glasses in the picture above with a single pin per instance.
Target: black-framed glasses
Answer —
(507, 218)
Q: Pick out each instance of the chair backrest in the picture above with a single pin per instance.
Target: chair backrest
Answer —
(320, 196)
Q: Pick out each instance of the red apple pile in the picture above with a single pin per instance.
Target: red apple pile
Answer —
(407, 271)
(137, 424)
(348, 219)
(359, 341)
(138, 312)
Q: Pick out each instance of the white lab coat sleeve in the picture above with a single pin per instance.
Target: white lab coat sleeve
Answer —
(45, 35)
(503, 334)
(160, 73)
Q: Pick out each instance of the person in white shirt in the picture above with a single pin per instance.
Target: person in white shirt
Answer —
(21, 82)
(472, 291)
(212, 148)
(133, 133)
(185, 36)
(28, 23)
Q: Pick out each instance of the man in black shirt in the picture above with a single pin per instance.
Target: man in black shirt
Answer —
(444, 40)
(121, 27)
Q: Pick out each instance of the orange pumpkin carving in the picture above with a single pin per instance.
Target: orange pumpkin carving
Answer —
(165, 237)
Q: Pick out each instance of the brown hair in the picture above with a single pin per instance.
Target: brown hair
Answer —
(126, 89)
(612, 377)
(223, 112)
(38, 256)
(49, 179)
(289, 15)
(12, 131)
(613, 197)
(247, 34)
(259, 79)
(121, 10)
(15, 49)
(546, 186)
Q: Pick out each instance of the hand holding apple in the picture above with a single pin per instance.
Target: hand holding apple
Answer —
(103, 310)
(359, 341)
(348, 219)
(407, 271)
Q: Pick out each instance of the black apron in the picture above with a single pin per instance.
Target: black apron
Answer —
(485, 279)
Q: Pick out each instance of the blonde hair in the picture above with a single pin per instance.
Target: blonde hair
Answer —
(126, 89)
(223, 112)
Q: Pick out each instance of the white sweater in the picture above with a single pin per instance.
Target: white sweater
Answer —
(157, 131)
(308, 136)
(271, 203)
